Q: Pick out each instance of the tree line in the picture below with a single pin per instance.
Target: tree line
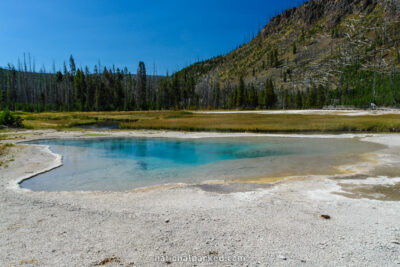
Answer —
(109, 89)
(75, 89)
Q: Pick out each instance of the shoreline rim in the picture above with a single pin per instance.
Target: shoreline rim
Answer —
(15, 184)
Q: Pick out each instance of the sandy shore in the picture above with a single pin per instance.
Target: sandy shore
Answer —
(276, 224)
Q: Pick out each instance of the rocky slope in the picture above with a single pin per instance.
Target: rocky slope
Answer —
(313, 44)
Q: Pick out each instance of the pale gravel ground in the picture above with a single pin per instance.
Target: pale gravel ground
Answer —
(355, 112)
(279, 225)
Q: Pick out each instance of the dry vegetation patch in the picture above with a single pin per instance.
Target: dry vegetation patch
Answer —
(233, 122)
(5, 155)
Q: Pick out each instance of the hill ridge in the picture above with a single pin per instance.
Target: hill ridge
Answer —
(321, 43)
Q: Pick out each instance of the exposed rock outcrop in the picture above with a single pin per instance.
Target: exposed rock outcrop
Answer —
(332, 10)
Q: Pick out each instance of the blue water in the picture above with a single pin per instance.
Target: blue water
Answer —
(127, 163)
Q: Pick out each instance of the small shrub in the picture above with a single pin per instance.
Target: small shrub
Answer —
(10, 120)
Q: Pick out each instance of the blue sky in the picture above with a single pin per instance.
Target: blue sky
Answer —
(170, 34)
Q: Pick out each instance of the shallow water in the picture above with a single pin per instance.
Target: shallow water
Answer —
(127, 163)
(382, 183)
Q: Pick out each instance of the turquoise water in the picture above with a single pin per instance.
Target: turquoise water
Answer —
(127, 163)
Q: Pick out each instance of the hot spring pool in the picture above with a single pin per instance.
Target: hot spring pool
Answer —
(116, 164)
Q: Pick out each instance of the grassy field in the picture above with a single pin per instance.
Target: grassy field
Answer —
(188, 121)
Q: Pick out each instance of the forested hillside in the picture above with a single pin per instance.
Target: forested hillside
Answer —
(343, 52)
(325, 52)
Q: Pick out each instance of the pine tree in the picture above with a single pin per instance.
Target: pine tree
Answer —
(233, 98)
(118, 91)
(72, 65)
(253, 98)
(285, 99)
(299, 100)
(77, 91)
(270, 94)
(89, 101)
(175, 92)
(11, 97)
(240, 93)
(321, 97)
(261, 99)
(311, 98)
(59, 77)
(97, 98)
(141, 85)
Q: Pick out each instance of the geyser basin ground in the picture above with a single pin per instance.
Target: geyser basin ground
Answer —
(264, 225)
(119, 164)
